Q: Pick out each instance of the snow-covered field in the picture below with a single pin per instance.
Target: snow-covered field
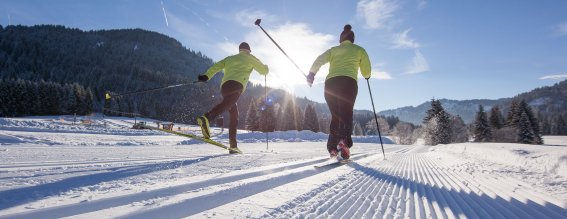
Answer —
(100, 168)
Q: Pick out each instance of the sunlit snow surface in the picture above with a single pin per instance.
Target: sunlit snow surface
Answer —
(94, 167)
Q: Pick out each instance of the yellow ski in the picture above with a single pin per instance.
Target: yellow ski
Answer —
(206, 140)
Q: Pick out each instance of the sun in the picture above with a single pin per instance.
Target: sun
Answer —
(287, 77)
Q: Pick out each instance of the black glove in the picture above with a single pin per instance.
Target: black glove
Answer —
(202, 78)
(310, 78)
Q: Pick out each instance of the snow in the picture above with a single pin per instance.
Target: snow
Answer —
(98, 167)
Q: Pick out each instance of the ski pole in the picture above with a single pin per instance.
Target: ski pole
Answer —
(107, 96)
(265, 102)
(258, 24)
(376, 118)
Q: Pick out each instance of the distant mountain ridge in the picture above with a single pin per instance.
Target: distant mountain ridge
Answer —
(548, 100)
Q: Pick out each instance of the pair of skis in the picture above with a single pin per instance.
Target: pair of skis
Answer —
(199, 138)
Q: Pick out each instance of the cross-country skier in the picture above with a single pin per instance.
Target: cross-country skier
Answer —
(341, 88)
(237, 69)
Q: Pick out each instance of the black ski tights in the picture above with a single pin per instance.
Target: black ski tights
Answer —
(340, 94)
(230, 92)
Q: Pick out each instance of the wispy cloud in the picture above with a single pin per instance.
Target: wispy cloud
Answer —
(301, 43)
(418, 65)
(247, 17)
(164, 15)
(561, 29)
(380, 75)
(402, 41)
(554, 77)
(376, 13)
(376, 74)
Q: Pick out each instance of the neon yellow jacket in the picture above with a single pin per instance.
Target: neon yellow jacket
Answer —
(345, 60)
(238, 68)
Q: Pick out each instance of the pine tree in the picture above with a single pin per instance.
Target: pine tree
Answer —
(558, 126)
(437, 123)
(545, 126)
(513, 113)
(460, 131)
(524, 107)
(298, 118)
(444, 128)
(496, 120)
(310, 120)
(482, 132)
(525, 131)
(267, 118)
(430, 131)
(289, 121)
(252, 120)
(435, 109)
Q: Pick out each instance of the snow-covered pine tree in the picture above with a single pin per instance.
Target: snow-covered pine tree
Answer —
(533, 122)
(434, 110)
(430, 131)
(496, 120)
(310, 120)
(437, 123)
(252, 120)
(444, 131)
(482, 132)
(524, 129)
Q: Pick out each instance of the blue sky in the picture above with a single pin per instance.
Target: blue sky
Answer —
(419, 49)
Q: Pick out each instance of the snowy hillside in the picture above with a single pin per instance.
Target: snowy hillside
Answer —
(100, 168)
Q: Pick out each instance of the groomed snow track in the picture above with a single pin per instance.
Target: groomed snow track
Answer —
(409, 184)
(416, 186)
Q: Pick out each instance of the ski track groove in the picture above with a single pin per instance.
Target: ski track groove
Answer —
(417, 186)
(433, 207)
(458, 212)
(409, 184)
(447, 183)
(516, 198)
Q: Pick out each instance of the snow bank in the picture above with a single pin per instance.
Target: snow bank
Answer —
(528, 158)
(65, 124)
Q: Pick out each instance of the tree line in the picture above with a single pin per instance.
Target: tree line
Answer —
(25, 98)
(520, 125)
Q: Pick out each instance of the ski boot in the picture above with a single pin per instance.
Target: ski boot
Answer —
(204, 123)
(234, 150)
(344, 151)
(333, 153)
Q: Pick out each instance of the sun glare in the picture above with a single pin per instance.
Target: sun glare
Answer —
(300, 43)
